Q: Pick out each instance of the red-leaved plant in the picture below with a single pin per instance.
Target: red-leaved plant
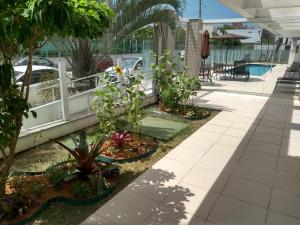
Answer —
(85, 155)
(119, 138)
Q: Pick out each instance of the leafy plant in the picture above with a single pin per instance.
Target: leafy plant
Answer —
(187, 86)
(111, 149)
(36, 188)
(97, 182)
(174, 88)
(119, 138)
(23, 196)
(169, 97)
(104, 103)
(133, 102)
(81, 189)
(163, 73)
(14, 205)
(85, 155)
(57, 175)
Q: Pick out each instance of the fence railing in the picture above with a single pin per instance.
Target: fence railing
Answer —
(79, 102)
(219, 55)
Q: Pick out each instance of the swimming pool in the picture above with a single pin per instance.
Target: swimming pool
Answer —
(258, 69)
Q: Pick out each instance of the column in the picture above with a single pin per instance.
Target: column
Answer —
(292, 51)
(193, 46)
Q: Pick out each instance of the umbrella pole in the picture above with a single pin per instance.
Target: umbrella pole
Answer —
(203, 67)
(227, 52)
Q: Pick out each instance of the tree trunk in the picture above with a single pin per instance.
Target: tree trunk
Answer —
(8, 160)
(3, 179)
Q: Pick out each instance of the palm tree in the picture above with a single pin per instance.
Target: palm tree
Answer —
(132, 15)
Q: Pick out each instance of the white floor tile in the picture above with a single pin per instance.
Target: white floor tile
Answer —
(233, 141)
(263, 147)
(97, 220)
(196, 144)
(287, 181)
(194, 201)
(262, 175)
(258, 159)
(216, 163)
(285, 202)
(289, 165)
(121, 209)
(251, 192)
(275, 218)
(206, 179)
(233, 212)
(185, 155)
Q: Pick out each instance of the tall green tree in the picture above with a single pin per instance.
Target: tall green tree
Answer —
(132, 15)
(25, 24)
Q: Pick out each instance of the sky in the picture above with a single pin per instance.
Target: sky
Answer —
(211, 9)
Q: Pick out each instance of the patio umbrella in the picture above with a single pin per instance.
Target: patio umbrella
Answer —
(227, 38)
(205, 45)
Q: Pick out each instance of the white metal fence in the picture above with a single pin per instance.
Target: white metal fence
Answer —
(78, 103)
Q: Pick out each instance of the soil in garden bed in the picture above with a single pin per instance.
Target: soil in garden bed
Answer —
(34, 202)
(190, 112)
(33, 191)
(134, 147)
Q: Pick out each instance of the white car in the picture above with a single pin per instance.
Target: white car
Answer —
(42, 76)
(131, 67)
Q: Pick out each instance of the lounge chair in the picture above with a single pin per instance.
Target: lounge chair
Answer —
(295, 68)
(288, 80)
(240, 69)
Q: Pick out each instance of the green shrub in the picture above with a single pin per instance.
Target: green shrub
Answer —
(36, 188)
(133, 102)
(106, 100)
(174, 88)
(169, 97)
(81, 189)
(163, 74)
(56, 175)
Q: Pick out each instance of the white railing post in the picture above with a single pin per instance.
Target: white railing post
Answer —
(63, 90)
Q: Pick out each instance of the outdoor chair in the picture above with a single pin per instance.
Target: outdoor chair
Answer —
(240, 70)
(287, 80)
(205, 72)
(218, 70)
(295, 68)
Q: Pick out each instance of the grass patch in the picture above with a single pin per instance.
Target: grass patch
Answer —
(38, 159)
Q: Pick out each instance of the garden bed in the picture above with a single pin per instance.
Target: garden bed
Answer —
(39, 158)
(31, 193)
(137, 148)
(190, 112)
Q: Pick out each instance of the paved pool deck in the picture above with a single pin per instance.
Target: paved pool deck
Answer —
(241, 168)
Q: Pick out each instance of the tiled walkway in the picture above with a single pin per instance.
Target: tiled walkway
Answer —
(241, 168)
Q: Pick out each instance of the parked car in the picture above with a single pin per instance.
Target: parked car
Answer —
(42, 76)
(131, 67)
(38, 61)
(103, 62)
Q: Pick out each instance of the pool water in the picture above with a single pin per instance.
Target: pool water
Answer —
(258, 69)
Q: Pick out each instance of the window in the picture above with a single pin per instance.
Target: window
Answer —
(43, 76)
(139, 65)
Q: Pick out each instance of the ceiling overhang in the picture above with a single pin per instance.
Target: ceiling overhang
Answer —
(281, 17)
